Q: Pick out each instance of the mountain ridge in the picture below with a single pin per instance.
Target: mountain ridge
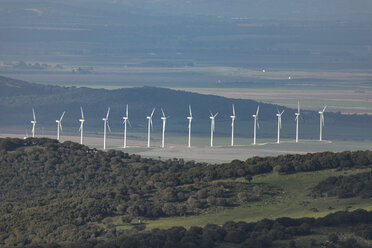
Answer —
(17, 98)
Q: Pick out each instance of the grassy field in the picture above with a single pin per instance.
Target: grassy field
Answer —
(294, 201)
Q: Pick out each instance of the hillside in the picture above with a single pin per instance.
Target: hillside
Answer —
(17, 99)
(65, 192)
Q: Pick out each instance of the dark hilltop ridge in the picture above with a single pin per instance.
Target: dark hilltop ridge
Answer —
(17, 98)
(67, 195)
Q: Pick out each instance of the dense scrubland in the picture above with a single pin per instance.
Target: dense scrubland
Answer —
(66, 193)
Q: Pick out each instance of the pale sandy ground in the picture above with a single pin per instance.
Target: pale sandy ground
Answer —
(216, 154)
(344, 101)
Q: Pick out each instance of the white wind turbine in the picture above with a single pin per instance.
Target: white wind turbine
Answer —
(33, 122)
(190, 119)
(125, 118)
(212, 117)
(59, 124)
(164, 118)
(279, 115)
(149, 118)
(106, 124)
(256, 125)
(321, 113)
(81, 129)
(297, 119)
(232, 125)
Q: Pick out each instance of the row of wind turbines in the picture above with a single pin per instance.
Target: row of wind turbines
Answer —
(189, 118)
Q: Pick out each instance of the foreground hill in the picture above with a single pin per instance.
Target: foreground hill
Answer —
(64, 193)
(17, 98)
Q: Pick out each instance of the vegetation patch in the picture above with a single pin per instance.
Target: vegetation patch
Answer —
(346, 186)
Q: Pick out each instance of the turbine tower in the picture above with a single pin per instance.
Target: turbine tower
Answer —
(164, 118)
(125, 118)
(106, 124)
(256, 125)
(321, 113)
(149, 126)
(190, 119)
(59, 124)
(212, 126)
(232, 125)
(297, 119)
(81, 129)
(279, 115)
(33, 123)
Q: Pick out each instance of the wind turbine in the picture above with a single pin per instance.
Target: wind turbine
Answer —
(190, 119)
(297, 119)
(164, 118)
(33, 122)
(59, 124)
(106, 124)
(81, 125)
(232, 125)
(321, 113)
(149, 118)
(279, 115)
(125, 118)
(212, 126)
(256, 124)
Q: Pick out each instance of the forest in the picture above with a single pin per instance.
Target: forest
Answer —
(346, 186)
(61, 192)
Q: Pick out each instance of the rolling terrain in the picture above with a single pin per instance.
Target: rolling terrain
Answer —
(17, 98)
(65, 194)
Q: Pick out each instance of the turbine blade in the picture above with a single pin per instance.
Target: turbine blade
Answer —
(33, 113)
(60, 126)
(81, 125)
(258, 109)
(298, 107)
(108, 113)
(82, 113)
(126, 111)
(215, 114)
(190, 110)
(258, 124)
(129, 123)
(152, 113)
(162, 111)
(210, 113)
(281, 112)
(233, 110)
(324, 108)
(152, 127)
(63, 114)
(108, 126)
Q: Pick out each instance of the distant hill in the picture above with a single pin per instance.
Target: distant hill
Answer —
(17, 98)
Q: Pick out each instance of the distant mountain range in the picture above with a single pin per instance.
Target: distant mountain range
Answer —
(17, 98)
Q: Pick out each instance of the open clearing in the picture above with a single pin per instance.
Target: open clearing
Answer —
(176, 146)
(344, 101)
(294, 202)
